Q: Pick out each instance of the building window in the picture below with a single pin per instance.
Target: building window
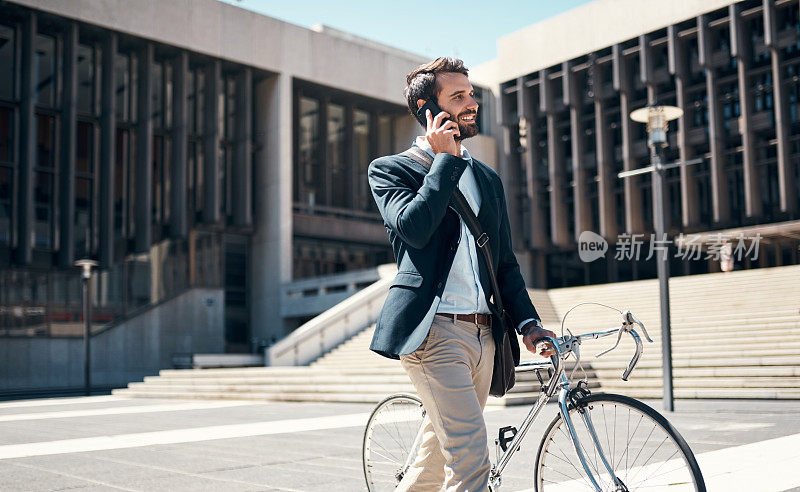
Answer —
(122, 71)
(84, 191)
(7, 58)
(310, 178)
(364, 200)
(195, 93)
(340, 175)
(45, 70)
(227, 112)
(86, 78)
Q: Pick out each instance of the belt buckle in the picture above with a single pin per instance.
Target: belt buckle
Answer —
(475, 315)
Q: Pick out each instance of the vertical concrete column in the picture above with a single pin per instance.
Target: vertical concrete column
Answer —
(67, 154)
(741, 49)
(786, 178)
(144, 150)
(633, 196)
(211, 129)
(108, 124)
(719, 185)
(530, 160)
(573, 100)
(178, 192)
(272, 239)
(555, 162)
(510, 168)
(243, 151)
(690, 214)
(605, 166)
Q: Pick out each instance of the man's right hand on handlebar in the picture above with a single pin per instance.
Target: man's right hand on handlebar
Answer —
(545, 349)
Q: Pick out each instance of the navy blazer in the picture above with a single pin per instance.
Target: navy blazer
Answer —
(424, 234)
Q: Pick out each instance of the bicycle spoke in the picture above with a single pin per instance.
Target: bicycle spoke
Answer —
(646, 456)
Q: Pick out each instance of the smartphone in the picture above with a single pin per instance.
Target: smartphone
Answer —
(429, 105)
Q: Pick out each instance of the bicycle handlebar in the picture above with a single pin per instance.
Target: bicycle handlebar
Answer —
(569, 343)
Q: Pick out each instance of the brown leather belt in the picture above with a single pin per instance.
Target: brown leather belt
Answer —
(477, 318)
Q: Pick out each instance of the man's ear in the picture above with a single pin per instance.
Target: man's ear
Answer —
(420, 102)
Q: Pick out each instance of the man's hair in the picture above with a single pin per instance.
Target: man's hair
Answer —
(422, 80)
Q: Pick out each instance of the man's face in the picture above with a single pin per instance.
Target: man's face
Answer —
(455, 96)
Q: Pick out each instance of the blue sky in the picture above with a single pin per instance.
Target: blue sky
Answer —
(468, 29)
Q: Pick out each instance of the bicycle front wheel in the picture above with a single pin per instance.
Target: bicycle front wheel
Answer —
(644, 451)
(391, 440)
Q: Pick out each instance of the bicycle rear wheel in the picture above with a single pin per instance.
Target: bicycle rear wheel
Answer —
(390, 440)
(642, 448)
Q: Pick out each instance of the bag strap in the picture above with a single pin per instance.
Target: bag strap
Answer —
(461, 206)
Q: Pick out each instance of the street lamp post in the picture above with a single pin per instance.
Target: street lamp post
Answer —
(657, 118)
(86, 274)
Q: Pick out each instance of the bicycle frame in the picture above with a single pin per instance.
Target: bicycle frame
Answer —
(561, 381)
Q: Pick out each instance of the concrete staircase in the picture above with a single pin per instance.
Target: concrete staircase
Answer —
(735, 335)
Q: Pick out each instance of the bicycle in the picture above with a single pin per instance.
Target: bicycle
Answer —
(581, 448)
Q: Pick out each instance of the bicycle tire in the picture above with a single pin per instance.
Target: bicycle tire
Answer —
(557, 462)
(386, 449)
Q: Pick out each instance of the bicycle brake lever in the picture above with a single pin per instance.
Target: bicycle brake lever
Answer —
(619, 337)
(641, 325)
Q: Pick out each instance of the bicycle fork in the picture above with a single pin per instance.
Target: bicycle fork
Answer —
(587, 420)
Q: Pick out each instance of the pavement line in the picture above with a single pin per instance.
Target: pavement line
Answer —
(171, 407)
(766, 466)
(61, 401)
(121, 441)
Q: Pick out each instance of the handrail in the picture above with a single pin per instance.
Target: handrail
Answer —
(332, 327)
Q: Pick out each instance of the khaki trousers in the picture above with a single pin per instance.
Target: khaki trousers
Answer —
(452, 371)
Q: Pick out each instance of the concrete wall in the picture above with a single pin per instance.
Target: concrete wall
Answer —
(590, 27)
(136, 348)
(323, 55)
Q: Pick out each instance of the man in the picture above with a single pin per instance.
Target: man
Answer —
(436, 318)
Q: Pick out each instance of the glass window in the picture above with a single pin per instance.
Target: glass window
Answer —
(340, 178)
(44, 141)
(158, 150)
(83, 217)
(191, 102)
(43, 210)
(201, 101)
(223, 180)
(122, 70)
(45, 70)
(230, 108)
(310, 173)
(86, 76)
(7, 49)
(120, 176)
(157, 81)
(6, 210)
(364, 199)
(84, 162)
(6, 134)
(195, 167)
(167, 95)
(385, 145)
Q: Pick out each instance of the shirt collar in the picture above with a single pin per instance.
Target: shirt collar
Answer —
(423, 144)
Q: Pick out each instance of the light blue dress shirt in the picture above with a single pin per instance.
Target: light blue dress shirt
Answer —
(463, 293)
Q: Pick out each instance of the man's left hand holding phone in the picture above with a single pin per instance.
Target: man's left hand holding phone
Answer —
(440, 132)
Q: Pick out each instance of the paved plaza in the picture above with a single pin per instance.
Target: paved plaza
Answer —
(112, 443)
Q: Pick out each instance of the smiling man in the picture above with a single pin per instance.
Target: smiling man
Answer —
(437, 319)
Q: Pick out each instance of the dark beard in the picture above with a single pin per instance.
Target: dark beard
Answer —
(466, 131)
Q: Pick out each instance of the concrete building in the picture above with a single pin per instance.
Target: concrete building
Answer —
(214, 161)
(206, 155)
(566, 87)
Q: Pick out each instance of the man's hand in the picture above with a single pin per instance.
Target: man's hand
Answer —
(545, 349)
(441, 137)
